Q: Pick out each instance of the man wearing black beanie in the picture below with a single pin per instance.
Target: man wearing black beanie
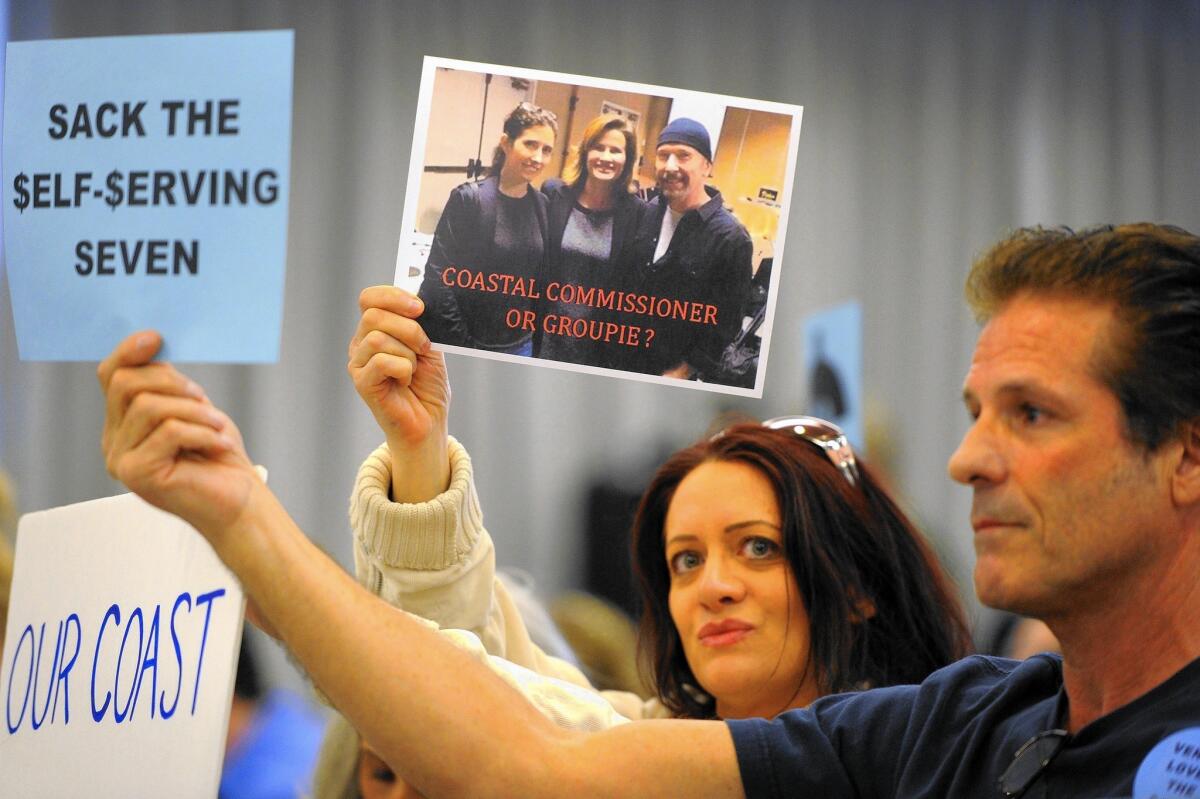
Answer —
(693, 250)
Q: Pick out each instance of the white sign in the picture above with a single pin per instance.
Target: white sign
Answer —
(119, 661)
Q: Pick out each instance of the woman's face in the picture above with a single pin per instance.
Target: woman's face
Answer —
(376, 780)
(525, 156)
(606, 159)
(733, 598)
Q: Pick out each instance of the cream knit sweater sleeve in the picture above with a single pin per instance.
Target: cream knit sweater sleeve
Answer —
(436, 561)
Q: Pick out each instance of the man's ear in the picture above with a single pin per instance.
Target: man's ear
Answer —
(1185, 487)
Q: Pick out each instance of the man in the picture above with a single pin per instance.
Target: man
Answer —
(1084, 459)
(691, 249)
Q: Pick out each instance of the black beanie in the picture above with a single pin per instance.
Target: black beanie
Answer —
(689, 132)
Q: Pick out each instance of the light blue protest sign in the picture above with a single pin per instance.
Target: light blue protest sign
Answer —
(145, 186)
(833, 366)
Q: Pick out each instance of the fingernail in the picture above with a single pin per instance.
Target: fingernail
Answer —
(144, 341)
(215, 418)
(415, 306)
(192, 389)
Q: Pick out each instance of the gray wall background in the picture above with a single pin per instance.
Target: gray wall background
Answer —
(930, 129)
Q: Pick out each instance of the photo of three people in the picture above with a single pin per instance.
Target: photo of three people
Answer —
(597, 225)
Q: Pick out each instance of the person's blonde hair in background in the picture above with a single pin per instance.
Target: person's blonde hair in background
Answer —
(336, 774)
(604, 640)
(575, 171)
(8, 513)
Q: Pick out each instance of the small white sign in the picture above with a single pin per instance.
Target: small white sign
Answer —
(119, 661)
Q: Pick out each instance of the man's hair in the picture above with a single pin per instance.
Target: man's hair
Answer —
(1150, 275)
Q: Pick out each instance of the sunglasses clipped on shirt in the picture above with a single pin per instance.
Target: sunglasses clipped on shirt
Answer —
(1030, 761)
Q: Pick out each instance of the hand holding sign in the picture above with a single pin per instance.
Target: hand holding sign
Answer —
(167, 442)
(404, 383)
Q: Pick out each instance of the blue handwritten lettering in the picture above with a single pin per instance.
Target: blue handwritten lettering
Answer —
(149, 662)
(12, 728)
(137, 661)
(208, 600)
(65, 671)
(119, 715)
(166, 714)
(37, 670)
(114, 611)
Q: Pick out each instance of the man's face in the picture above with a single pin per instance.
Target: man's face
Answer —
(681, 171)
(1066, 509)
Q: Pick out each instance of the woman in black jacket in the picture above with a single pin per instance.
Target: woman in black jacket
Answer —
(489, 245)
(592, 220)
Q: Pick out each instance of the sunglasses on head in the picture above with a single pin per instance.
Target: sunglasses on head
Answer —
(824, 434)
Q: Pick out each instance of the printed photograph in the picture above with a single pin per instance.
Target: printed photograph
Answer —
(598, 226)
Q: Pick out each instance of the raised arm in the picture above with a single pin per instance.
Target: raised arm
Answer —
(430, 553)
(404, 384)
(419, 539)
(396, 681)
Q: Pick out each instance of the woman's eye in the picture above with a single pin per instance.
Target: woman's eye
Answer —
(684, 562)
(759, 548)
